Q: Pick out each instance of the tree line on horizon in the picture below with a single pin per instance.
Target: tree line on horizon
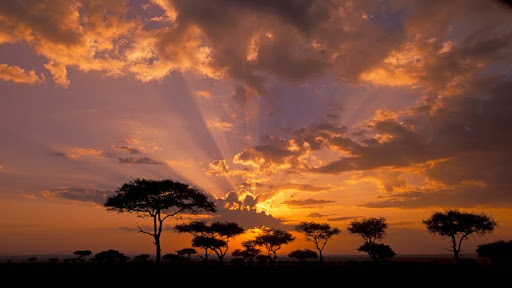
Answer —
(163, 199)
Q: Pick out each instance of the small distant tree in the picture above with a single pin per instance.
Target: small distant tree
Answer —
(303, 255)
(272, 240)
(498, 252)
(458, 226)
(142, 258)
(371, 230)
(196, 229)
(251, 250)
(32, 259)
(186, 253)
(170, 257)
(318, 234)
(263, 258)
(110, 256)
(82, 254)
(377, 251)
(214, 237)
(53, 260)
(158, 200)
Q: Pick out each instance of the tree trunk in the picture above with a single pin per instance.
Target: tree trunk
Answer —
(157, 244)
(320, 257)
(156, 235)
(455, 250)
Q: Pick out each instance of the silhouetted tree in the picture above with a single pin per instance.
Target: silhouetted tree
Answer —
(208, 242)
(158, 200)
(142, 258)
(53, 260)
(32, 259)
(170, 257)
(214, 237)
(371, 230)
(196, 228)
(272, 240)
(224, 231)
(110, 256)
(186, 253)
(250, 250)
(263, 258)
(303, 255)
(318, 234)
(82, 254)
(377, 251)
(459, 226)
(498, 252)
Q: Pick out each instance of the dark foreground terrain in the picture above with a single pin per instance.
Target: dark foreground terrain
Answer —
(283, 274)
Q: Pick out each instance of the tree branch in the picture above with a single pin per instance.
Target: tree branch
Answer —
(142, 231)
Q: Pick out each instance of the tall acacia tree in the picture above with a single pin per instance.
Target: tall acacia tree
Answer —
(158, 199)
(318, 234)
(459, 226)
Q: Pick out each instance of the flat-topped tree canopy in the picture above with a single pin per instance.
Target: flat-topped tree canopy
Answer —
(159, 199)
(153, 196)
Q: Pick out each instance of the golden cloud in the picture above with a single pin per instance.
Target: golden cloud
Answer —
(18, 75)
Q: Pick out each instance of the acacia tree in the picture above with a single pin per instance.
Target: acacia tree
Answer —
(303, 255)
(459, 226)
(214, 237)
(318, 234)
(249, 253)
(158, 199)
(272, 240)
(186, 253)
(371, 230)
(198, 229)
(82, 254)
(224, 231)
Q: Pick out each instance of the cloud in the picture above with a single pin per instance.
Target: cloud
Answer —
(318, 215)
(129, 149)
(243, 200)
(59, 73)
(250, 218)
(204, 94)
(2, 169)
(18, 75)
(79, 153)
(297, 186)
(307, 202)
(137, 161)
(76, 194)
(218, 167)
(215, 123)
(343, 218)
(289, 40)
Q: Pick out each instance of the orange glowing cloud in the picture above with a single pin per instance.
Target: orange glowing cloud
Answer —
(18, 75)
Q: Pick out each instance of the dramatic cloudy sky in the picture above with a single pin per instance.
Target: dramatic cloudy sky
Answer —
(283, 111)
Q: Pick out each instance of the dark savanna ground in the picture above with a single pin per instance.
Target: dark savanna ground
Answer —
(408, 273)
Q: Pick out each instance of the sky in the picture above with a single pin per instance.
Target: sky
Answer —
(282, 111)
